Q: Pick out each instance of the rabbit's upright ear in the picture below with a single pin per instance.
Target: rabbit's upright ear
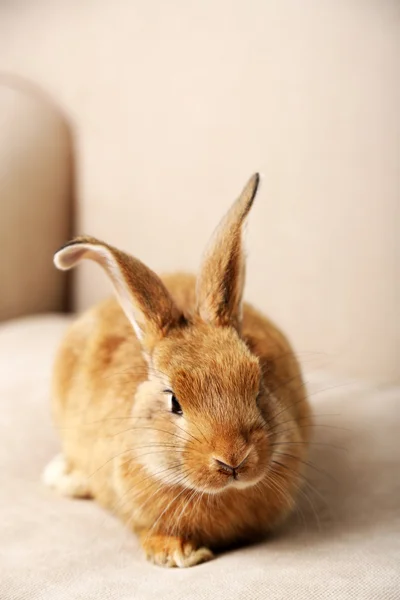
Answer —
(221, 279)
(141, 293)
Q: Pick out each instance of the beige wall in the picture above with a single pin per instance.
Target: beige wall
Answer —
(176, 103)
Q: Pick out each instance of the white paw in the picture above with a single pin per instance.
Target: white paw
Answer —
(67, 483)
(191, 557)
(174, 552)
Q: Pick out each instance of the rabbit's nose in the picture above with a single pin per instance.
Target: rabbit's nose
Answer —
(222, 466)
(229, 469)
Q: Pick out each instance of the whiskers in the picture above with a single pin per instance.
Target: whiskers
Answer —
(303, 489)
(288, 461)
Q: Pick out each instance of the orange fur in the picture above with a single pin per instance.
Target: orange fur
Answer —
(236, 379)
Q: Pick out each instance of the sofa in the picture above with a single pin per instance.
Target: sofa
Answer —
(86, 151)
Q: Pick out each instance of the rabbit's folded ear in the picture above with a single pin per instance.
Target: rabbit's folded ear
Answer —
(141, 293)
(221, 279)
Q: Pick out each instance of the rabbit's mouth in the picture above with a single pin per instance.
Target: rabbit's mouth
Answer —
(242, 484)
(223, 482)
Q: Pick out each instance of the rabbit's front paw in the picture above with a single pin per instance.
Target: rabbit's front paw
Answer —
(168, 551)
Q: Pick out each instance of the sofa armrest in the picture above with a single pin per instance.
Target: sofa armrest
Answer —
(35, 201)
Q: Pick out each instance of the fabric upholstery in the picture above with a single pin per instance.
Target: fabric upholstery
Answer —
(343, 544)
(35, 200)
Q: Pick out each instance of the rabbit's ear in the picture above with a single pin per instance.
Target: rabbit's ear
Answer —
(141, 293)
(221, 279)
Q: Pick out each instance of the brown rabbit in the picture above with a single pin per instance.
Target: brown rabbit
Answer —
(185, 412)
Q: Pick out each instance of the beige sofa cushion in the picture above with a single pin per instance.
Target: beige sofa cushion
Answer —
(344, 544)
(35, 200)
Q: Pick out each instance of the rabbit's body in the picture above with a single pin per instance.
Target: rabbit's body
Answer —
(151, 467)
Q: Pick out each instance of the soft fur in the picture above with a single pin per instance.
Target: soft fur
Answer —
(170, 477)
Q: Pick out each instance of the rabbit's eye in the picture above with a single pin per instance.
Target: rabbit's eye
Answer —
(175, 406)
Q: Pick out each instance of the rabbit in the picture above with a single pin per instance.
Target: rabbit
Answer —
(181, 409)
